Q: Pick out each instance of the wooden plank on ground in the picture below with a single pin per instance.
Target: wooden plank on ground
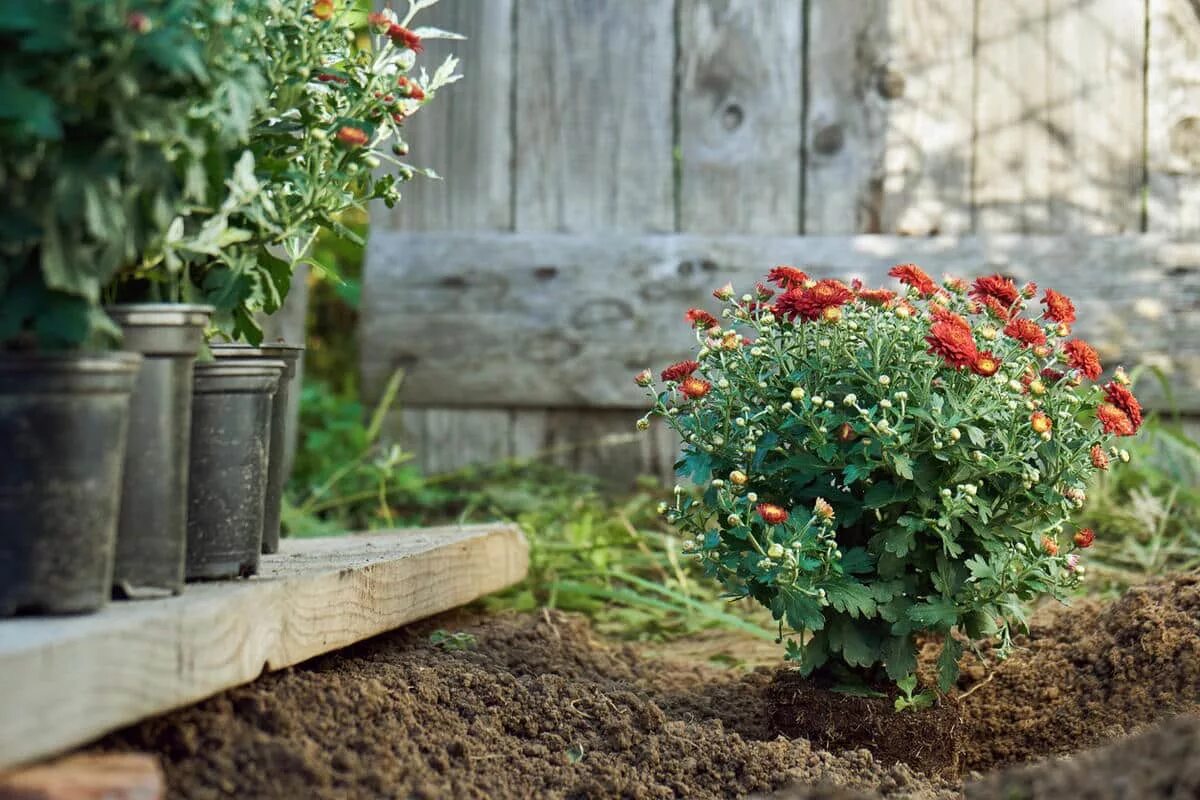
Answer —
(1173, 118)
(543, 320)
(465, 134)
(845, 124)
(593, 115)
(926, 83)
(68, 680)
(88, 776)
(740, 107)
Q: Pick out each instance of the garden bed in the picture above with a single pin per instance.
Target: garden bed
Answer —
(540, 706)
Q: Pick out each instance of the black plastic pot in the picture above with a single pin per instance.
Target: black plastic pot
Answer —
(63, 420)
(227, 481)
(152, 533)
(277, 466)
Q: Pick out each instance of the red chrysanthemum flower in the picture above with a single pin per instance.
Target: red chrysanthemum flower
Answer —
(953, 343)
(1114, 420)
(352, 136)
(985, 364)
(996, 309)
(914, 276)
(943, 314)
(957, 285)
(1029, 290)
(1082, 357)
(1099, 459)
(694, 387)
(1084, 537)
(786, 277)
(138, 22)
(1040, 422)
(679, 371)
(772, 514)
(1051, 375)
(1025, 331)
(1001, 289)
(410, 88)
(379, 21)
(808, 304)
(877, 297)
(403, 37)
(1058, 307)
(1049, 546)
(323, 9)
(724, 293)
(763, 292)
(699, 318)
(1120, 396)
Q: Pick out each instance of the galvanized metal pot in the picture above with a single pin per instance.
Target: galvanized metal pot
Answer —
(227, 481)
(152, 533)
(277, 466)
(63, 420)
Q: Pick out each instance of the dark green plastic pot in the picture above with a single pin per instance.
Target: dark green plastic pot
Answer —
(276, 465)
(152, 533)
(227, 481)
(63, 420)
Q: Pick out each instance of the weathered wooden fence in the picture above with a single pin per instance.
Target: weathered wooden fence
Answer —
(608, 162)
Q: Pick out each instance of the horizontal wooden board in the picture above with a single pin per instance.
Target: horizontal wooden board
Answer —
(64, 681)
(547, 320)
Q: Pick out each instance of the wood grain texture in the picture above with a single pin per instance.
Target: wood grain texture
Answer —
(846, 121)
(1095, 62)
(1173, 118)
(543, 320)
(927, 83)
(67, 680)
(1059, 103)
(465, 133)
(593, 115)
(601, 442)
(1012, 138)
(740, 105)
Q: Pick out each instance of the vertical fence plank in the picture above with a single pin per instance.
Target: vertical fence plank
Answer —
(593, 115)
(1059, 98)
(739, 104)
(1173, 118)
(845, 122)
(927, 82)
(1012, 137)
(464, 135)
(1095, 61)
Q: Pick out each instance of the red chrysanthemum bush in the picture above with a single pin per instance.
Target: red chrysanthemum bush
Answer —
(879, 465)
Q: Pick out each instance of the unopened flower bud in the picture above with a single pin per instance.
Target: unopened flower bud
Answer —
(775, 550)
(752, 497)
(643, 424)
(797, 393)
(884, 380)
(955, 434)
(738, 477)
(850, 399)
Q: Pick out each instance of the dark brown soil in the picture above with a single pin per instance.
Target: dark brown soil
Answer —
(1086, 674)
(541, 708)
(1164, 762)
(929, 741)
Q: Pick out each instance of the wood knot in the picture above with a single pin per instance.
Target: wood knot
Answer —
(890, 83)
(829, 139)
(732, 117)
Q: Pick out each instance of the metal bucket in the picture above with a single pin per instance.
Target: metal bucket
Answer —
(152, 533)
(63, 420)
(277, 468)
(227, 483)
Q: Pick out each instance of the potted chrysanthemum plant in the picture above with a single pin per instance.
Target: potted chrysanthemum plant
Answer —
(885, 467)
(119, 110)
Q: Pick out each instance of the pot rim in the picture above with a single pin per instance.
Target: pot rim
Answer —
(255, 351)
(90, 361)
(240, 366)
(161, 314)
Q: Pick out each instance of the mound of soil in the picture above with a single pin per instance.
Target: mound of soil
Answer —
(1086, 674)
(540, 708)
(1164, 762)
